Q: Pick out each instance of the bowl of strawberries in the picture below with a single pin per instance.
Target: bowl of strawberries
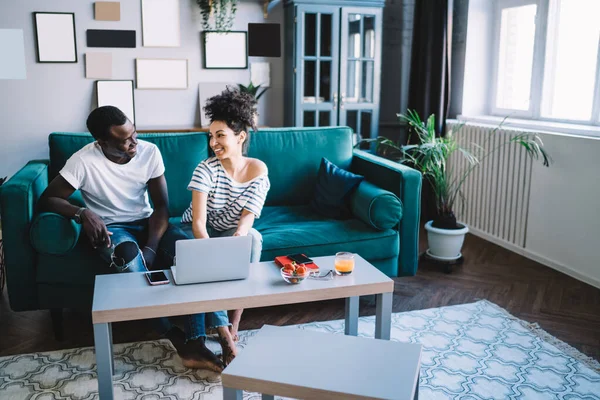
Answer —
(294, 273)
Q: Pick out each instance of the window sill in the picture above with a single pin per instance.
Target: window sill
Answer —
(556, 128)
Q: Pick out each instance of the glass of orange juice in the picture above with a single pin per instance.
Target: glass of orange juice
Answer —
(344, 263)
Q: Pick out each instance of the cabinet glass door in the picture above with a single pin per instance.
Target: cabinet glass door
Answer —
(317, 65)
(360, 70)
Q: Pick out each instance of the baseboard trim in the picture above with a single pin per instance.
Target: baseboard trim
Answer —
(537, 257)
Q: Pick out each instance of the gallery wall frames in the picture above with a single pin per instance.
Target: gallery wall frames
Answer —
(55, 37)
(107, 11)
(264, 40)
(110, 38)
(98, 65)
(160, 23)
(225, 49)
(157, 73)
(118, 94)
(12, 54)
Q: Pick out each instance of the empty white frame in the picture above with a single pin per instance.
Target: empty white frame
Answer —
(118, 94)
(153, 73)
(160, 23)
(225, 50)
(55, 37)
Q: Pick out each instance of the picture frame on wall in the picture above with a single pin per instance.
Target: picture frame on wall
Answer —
(55, 37)
(117, 93)
(161, 73)
(225, 49)
(160, 23)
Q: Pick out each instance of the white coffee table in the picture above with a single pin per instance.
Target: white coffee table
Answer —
(128, 296)
(304, 364)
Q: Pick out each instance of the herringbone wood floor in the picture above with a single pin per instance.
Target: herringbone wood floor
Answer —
(563, 306)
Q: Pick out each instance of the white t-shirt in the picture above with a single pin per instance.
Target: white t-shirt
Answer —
(116, 192)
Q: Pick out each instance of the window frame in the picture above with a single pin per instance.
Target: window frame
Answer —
(538, 67)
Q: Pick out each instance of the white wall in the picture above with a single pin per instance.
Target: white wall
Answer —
(563, 229)
(58, 97)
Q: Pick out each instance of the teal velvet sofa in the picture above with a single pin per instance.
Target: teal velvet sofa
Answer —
(50, 266)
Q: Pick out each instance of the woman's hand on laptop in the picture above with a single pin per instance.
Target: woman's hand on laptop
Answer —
(241, 232)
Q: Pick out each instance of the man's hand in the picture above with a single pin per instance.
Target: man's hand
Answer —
(149, 255)
(95, 229)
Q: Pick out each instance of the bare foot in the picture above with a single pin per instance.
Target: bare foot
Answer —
(235, 316)
(195, 354)
(227, 344)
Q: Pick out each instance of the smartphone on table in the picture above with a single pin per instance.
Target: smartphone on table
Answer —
(300, 258)
(157, 278)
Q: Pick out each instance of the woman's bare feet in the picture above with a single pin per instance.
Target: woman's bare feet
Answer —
(235, 316)
(195, 354)
(227, 344)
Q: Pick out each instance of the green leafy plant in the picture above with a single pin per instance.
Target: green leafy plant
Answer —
(432, 153)
(222, 11)
(253, 90)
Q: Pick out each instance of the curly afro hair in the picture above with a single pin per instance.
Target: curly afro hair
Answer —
(237, 109)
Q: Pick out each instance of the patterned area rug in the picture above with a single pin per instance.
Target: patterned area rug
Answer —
(470, 351)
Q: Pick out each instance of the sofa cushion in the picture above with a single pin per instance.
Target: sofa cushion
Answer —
(181, 154)
(333, 187)
(298, 229)
(79, 267)
(377, 207)
(293, 156)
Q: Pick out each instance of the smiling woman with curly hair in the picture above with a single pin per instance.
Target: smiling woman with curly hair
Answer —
(228, 189)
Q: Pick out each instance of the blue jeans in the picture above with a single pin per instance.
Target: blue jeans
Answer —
(129, 234)
(212, 232)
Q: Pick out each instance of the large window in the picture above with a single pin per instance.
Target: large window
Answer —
(547, 60)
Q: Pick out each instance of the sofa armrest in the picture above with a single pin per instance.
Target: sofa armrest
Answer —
(376, 207)
(18, 199)
(54, 234)
(404, 182)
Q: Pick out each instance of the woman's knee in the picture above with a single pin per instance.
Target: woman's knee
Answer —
(257, 241)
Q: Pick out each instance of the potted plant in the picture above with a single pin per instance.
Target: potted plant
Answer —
(222, 11)
(430, 156)
(255, 92)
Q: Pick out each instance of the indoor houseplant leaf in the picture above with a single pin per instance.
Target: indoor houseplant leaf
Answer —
(430, 156)
(221, 11)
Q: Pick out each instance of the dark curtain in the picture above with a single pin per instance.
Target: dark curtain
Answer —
(430, 75)
(429, 70)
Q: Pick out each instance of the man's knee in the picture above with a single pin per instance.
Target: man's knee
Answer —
(126, 251)
(126, 257)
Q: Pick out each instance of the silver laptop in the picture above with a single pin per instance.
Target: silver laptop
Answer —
(212, 260)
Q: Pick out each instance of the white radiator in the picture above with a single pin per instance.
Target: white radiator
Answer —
(496, 193)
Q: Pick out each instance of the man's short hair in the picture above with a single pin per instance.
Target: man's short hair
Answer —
(102, 119)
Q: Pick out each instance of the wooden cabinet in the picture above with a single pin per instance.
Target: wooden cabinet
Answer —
(333, 63)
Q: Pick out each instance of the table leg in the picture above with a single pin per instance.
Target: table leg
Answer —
(416, 396)
(104, 362)
(232, 394)
(383, 321)
(112, 354)
(351, 327)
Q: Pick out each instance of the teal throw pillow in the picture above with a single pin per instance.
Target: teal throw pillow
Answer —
(333, 189)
